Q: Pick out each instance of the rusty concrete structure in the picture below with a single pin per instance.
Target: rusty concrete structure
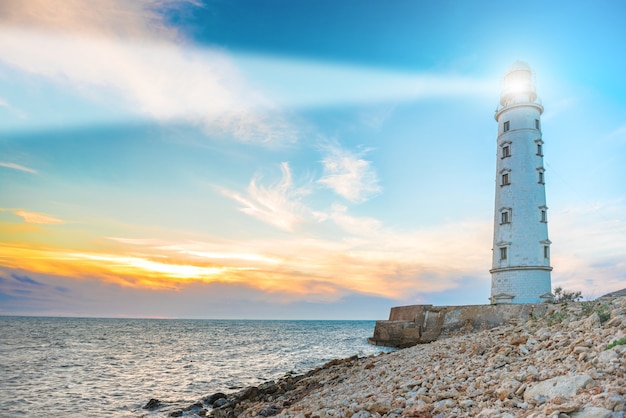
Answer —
(419, 324)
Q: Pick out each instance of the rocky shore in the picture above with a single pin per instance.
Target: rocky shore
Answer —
(569, 362)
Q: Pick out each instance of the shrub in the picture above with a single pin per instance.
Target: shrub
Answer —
(616, 343)
(556, 317)
(561, 296)
(603, 312)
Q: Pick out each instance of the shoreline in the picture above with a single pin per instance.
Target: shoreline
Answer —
(554, 364)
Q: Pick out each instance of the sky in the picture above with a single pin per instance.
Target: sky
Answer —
(283, 159)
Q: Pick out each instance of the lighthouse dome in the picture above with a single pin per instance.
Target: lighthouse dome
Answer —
(519, 66)
(518, 85)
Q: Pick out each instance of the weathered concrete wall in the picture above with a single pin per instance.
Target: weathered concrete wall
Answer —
(417, 324)
(407, 313)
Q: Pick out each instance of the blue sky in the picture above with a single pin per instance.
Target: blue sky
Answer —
(281, 159)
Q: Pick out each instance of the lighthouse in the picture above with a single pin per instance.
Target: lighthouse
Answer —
(521, 268)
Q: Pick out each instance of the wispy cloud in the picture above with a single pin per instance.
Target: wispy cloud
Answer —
(125, 52)
(161, 81)
(348, 174)
(17, 167)
(367, 258)
(37, 218)
(588, 252)
(125, 19)
(365, 226)
(12, 109)
(277, 204)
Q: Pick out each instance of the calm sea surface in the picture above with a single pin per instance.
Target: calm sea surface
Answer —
(67, 367)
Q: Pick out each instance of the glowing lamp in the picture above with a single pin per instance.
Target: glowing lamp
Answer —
(518, 85)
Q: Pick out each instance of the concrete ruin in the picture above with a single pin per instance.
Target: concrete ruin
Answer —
(419, 324)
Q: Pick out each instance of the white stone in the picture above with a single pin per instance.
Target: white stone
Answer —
(592, 412)
(565, 386)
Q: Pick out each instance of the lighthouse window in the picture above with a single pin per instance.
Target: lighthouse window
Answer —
(505, 217)
(503, 253)
(546, 251)
(541, 179)
(505, 179)
(539, 149)
(537, 125)
(506, 126)
(544, 215)
(506, 151)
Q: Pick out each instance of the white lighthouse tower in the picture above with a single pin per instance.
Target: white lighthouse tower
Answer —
(521, 269)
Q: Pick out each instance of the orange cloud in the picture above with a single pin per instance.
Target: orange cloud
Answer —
(37, 218)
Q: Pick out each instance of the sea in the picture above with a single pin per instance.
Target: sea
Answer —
(95, 367)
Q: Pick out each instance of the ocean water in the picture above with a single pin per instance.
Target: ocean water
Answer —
(66, 367)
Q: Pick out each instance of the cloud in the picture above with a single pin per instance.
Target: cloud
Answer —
(349, 175)
(277, 204)
(141, 65)
(364, 226)
(20, 292)
(12, 109)
(124, 19)
(37, 218)
(17, 167)
(25, 279)
(366, 258)
(588, 251)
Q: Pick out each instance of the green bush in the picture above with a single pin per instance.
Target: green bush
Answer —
(556, 317)
(561, 296)
(616, 343)
(603, 312)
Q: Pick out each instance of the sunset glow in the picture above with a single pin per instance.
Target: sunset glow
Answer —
(292, 160)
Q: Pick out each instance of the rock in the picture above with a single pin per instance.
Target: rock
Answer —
(418, 411)
(520, 339)
(210, 400)
(195, 407)
(615, 322)
(380, 407)
(251, 393)
(444, 404)
(507, 388)
(269, 411)
(592, 322)
(467, 403)
(153, 404)
(593, 412)
(565, 386)
(219, 403)
(607, 357)
(178, 413)
(452, 393)
(269, 387)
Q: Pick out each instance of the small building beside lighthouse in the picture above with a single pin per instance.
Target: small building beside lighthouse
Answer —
(521, 268)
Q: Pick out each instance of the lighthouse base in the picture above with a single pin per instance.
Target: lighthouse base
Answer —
(525, 284)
